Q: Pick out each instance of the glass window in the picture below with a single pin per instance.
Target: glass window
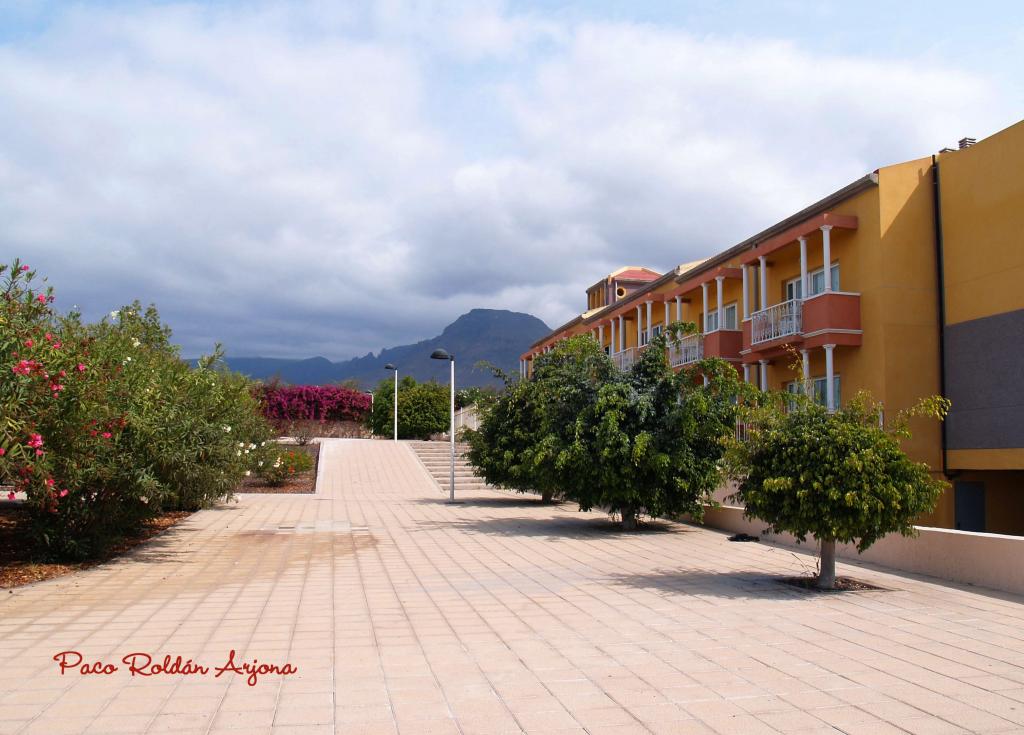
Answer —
(796, 388)
(711, 323)
(818, 280)
(730, 316)
(794, 289)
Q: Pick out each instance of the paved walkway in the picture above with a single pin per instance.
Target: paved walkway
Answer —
(498, 615)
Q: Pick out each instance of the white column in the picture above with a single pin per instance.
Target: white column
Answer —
(622, 332)
(704, 292)
(706, 380)
(830, 391)
(679, 308)
(764, 374)
(746, 373)
(666, 317)
(611, 343)
(719, 280)
(804, 292)
(639, 325)
(826, 249)
(649, 320)
(807, 371)
(763, 272)
(746, 291)
(600, 335)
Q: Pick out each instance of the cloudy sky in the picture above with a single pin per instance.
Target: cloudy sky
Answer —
(329, 178)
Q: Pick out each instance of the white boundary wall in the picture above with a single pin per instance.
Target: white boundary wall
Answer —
(984, 559)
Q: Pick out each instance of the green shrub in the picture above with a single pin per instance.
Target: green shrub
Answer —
(104, 425)
(423, 409)
(279, 465)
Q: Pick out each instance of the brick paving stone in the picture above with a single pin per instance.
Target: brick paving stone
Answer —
(496, 615)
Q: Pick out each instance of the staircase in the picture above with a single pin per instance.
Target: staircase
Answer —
(436, 457)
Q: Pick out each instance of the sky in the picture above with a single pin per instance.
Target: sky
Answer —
(330, 178)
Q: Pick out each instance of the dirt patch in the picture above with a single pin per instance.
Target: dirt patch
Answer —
(18, 565)
(303, 482)
(843, 584)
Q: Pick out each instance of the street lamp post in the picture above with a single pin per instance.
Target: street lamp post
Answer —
(389, 366)
(443, 355)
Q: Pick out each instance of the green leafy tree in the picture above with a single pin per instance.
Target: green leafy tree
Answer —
(841, 477)
(423, 409)
(646, 441)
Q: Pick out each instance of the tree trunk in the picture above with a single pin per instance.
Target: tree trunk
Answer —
(827, 575)
(629, 518)
(547, 496)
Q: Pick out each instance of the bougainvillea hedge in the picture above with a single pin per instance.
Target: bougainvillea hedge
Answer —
(283, 404)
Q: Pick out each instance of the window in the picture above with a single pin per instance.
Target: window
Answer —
(656, 330)
(711, 323)
(818, 280)
(730, 316)
(820, 397)
(794, 289)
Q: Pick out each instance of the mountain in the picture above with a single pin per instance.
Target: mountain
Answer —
(497, 336)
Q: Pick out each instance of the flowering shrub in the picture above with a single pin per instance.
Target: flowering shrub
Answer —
(286, 403)
(279, 465)
(104, 425)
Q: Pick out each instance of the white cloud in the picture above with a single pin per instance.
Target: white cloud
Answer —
(278, 175)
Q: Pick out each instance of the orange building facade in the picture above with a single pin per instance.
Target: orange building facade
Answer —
(903, 284)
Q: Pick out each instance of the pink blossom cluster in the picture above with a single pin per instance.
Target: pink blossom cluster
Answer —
(313, 403)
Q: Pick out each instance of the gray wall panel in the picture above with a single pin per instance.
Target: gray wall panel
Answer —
(985, 382)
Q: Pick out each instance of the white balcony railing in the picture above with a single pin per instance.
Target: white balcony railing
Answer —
(776, 321)
(624, 360)
(686, 351)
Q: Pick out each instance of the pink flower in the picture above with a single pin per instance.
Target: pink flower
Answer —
(80, 368)
(49, 337)
(107, 435)
(41, 298)
(49, 481)
(63, 493)
(39, 452)
(56, 345)
(10, 496)
(2, 451)
(29, 343)
(35, 441)
(24, 267)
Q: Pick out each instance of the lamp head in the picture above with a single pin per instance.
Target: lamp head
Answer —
(389, 366)
(441, 355)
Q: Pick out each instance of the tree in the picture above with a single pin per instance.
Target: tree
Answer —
(841, 477)
(646, 441)
(423, 409)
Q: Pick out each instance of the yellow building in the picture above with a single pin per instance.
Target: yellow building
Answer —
(920, 297)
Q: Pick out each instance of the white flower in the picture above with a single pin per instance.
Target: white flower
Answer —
(247, 473)
(252, 446)
(113, 315)
(144, 499)
(227, 429)
(241, 445)
(135, 342)
(238, 452)
(126, 361)
(259, 464)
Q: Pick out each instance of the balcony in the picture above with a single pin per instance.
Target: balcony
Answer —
(832, 317)
(624, 360)
(776, 322)
(686, 351)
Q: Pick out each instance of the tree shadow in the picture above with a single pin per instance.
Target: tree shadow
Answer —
(516, 501)
(582, 526)
(733, 585)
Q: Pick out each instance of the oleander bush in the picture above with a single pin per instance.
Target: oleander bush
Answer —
(104, 425)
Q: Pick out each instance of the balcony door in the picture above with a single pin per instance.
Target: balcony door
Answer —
(794, 289)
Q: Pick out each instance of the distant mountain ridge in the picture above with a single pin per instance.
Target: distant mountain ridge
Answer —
(494, 335)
